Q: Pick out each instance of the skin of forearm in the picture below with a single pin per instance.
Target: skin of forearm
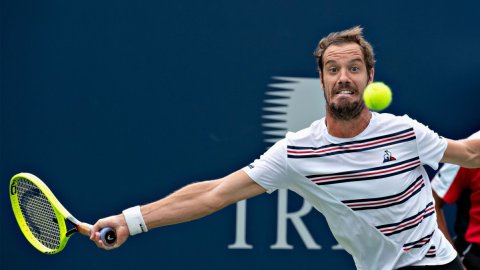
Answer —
(474, 150)
(188, 203)
(467, 156)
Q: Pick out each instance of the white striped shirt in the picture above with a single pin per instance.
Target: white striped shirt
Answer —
(372, 189)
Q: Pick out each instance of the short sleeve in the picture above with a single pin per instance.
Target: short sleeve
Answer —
(431, 146)
(458, 185)
(443, 180)
(270, 170)
(475, 135)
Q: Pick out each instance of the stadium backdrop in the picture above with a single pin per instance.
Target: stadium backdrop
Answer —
(117, 103)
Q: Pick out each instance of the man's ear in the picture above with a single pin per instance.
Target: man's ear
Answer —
(321, 79)
(371, 75)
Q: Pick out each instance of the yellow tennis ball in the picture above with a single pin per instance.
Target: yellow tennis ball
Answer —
(377, 96)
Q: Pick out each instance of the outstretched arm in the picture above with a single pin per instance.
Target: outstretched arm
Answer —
(188, 203)
(465, 153)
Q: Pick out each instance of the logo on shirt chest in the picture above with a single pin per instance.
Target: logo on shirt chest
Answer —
(388, 156)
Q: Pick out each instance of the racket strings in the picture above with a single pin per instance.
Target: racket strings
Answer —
(38, 214)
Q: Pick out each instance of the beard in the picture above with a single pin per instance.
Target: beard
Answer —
(346, 110)
(343, 109)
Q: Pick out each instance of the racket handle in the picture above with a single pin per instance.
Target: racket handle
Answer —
(108, 236)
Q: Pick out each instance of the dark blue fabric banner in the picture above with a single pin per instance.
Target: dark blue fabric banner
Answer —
(119, 103)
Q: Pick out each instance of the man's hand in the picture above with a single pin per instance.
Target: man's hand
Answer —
(118, 224)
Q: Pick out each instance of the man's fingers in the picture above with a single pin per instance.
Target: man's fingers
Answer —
(117, 223)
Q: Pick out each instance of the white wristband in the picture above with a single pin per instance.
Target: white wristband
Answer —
(134, 220)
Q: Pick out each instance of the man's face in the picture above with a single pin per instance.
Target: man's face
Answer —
(344, 79)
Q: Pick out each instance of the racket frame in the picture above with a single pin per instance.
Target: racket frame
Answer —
(61, 214)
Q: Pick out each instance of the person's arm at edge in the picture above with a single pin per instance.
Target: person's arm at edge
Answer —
(465, 153)
(442, 224)
(188, 203)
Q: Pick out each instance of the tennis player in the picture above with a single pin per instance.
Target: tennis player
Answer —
(337, 165)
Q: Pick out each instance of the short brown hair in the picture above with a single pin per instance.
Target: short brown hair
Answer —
(355, 35)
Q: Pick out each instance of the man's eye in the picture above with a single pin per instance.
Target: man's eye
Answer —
(332, 69)
(355, 69)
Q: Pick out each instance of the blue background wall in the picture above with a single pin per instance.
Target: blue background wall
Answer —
(118, 103)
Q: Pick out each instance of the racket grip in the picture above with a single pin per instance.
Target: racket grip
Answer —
(108, 236)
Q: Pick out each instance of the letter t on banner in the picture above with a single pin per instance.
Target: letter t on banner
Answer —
(295, 217)
(241, 228)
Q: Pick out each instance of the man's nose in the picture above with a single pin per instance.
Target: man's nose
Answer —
(344, 78)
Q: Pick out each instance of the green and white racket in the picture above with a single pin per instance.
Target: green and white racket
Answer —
(43, 219)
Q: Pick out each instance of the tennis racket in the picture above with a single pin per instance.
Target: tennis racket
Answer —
(41, 217)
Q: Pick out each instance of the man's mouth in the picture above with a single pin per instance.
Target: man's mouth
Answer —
(346, 92)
